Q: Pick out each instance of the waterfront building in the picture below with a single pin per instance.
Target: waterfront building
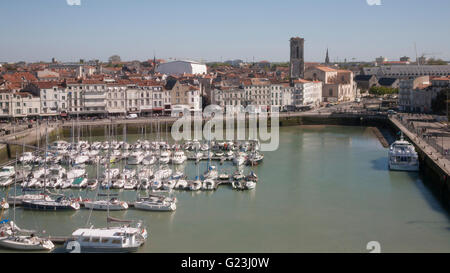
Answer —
(281, 95)
(229, 98)
(338, 85)
(365, 82)
(185, 94)
(258, 93)
(5, 103)
(116, 99)
(23, 104)
(415, 96)
(53, 97)
(408, 71)
(307, 93)
(181, 67)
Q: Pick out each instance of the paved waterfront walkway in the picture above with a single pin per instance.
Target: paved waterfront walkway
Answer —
(433, 153)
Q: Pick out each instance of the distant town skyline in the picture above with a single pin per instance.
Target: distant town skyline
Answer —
(218, 31)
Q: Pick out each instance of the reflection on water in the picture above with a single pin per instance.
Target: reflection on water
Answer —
(327, 188)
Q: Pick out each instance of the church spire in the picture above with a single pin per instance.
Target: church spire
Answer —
(327, 58)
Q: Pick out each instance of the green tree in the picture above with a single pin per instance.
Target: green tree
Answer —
(439, 103)
(114, 59)
(433, 61)
(382, 90)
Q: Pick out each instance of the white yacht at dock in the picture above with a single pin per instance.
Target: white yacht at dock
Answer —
(403, 156)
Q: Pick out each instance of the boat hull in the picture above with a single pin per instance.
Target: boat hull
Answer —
(12, 244)
(404, 167)
(155, 207)
(88, 249)
(33, 206)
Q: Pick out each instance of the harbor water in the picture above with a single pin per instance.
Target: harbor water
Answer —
(325, 189)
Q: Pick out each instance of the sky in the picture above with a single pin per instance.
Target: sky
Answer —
(213, 30)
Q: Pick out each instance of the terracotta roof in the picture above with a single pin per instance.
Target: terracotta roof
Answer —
(326, 69)
(301, 81)
(47, 85)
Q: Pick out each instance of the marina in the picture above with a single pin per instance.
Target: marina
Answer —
(291, 181)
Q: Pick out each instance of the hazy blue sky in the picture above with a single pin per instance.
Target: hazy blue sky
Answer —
(33, 30)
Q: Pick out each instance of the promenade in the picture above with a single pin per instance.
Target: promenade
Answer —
(428, 134)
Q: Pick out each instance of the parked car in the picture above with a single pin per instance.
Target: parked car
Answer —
(132, 116)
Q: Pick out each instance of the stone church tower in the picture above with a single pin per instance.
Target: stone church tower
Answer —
(297, 61)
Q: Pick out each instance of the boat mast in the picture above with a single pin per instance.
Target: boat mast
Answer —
(109, 172)
(15, 194)
(45, 159)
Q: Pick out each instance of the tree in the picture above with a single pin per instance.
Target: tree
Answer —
(439, 103)
(433, 61)
(114, 59)
(382, 90)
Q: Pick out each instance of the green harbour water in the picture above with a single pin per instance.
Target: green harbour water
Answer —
(325, 189)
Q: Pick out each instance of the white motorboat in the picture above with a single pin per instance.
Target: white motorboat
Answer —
(198, 156)
(127, 173)
(29, 243)
(81, 159)
(122, 239)
(75, 172)
(30, 183)
(163, 174)
(118, 184)
(130, 184)
(114, 205)
(7, 171)
(79, 182)
(403, 156)
(209, 184)
(255, 158)
(169, 184)
(164, 160)
(66, 184)
(239, 159)
(135, 158)
(6, 181)
(195, 185)
(181, 184)
(57, 171)
(179, 157)
(177, 175)
(154, 205)
(156, 184)
(249, 185)
(204, 147)
(212, 173)
(149, 160)
(92, 184)
(38, 172)
(224, 176)
(26, 157)
(19, 198)
(111, 173)
(145, 183)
